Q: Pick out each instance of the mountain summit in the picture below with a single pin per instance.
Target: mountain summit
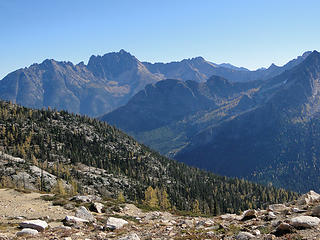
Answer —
(273, 142)
(265, 130)
(109, 81)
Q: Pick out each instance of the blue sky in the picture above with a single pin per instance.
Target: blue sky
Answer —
(245, 33)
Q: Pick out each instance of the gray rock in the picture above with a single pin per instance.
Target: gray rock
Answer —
(230, 217)
(38, 225)
(308, 198)
(83, 213)
(97, 207)
(304, 222)
(316, 211)
(69, 206)
(283, 228)
(271, 215)
(244, 236)
(278, 207)
(87, 198)
(71, 221)
(249, 214)
(256, 232)
(115, 223)
(27, 231)
(275, 223)
(132, 236)
(297, 210)
(205, 223)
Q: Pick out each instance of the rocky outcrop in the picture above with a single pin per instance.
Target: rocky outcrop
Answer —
(115, 223)
(26, 232)
(309, 197)
(249, 214)
(38, 225)
(72, 221)
(304, 222)
(83, 213)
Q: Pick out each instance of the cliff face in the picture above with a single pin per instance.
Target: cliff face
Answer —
(109, 81)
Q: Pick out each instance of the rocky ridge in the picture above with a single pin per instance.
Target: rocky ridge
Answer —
(295, 220)
(109, 81)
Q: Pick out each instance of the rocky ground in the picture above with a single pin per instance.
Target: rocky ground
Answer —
(41, 216)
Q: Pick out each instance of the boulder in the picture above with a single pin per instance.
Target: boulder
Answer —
(115, 223)
(71, 221)
(256, 232)
(304, 222)
(38, 225)
(83, 213)
(308, 198)
(230, 217)
(297, 210)
(278, 207)
(316, 211)
(205, 223)
(86, 198)
(27, 231)
(283, 228)
(132, 236)
(97, 207)
(271, 216)
(244, 236)
(249, 214)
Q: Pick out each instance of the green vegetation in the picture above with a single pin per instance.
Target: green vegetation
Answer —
(58, 141)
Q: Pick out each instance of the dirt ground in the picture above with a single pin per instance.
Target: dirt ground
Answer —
(17, 206)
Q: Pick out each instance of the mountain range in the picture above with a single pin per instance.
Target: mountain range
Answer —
(260, 125)
(267, 131)
(109, 81)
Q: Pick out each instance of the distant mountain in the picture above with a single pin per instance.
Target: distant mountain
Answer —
(166, 114)
(109, 81)
(228, 65)
(267, 131)
(198, 69)
(274, 142)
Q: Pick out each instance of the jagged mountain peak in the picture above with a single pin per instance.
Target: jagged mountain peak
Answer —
(113, 64)
(116, 56)
(312, 58)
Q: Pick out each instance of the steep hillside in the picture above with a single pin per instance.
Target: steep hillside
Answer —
(276, 142)
(101, 159)
(167, 114)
